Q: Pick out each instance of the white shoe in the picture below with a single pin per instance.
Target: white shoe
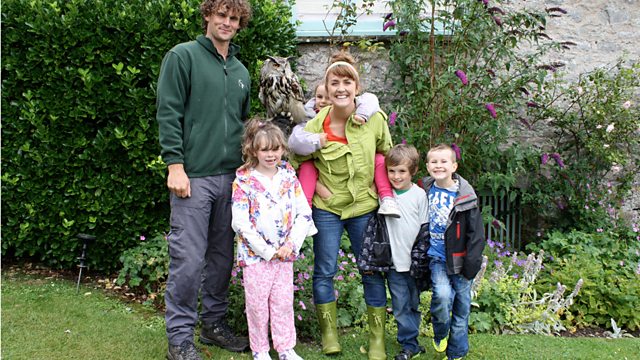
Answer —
(289, 355)
(389, 207)
(264, 355)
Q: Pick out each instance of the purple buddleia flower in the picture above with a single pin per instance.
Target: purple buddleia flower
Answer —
(404, 141)
(497, 20)
(485, 2)
(532, 104)
(392, 118)
(495, 9)
(388, 16)
(492, 110)
(544, 159)
(558, 160)
(462, 76)
(496, 224)
(388, 24)
(456, 150)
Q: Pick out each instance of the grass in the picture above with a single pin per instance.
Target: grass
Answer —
(44, 318)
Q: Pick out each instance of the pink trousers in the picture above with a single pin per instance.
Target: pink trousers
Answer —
(308, 176)
(268, 290)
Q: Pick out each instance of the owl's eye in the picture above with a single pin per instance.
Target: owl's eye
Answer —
(276, 65)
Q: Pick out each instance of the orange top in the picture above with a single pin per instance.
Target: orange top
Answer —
(330, 135)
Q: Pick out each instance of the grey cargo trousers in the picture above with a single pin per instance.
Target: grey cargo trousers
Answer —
(201, 256)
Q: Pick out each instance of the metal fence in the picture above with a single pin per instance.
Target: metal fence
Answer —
(506, 211)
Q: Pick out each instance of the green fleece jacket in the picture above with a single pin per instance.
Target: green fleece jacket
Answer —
(347, 169)
(202, 103)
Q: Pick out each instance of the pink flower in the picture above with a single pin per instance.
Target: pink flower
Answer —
(404, 141)
(388, 24)
(392, 118)
(558, 160)
(462, 76)
(142, 238)
(299, 317)
(302, 305)
(456, 150)
(627, 104)
(492, 110)
(544, 159)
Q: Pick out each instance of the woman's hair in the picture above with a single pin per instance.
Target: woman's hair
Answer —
(260, 135)
(403, 154)
(239, 7)
(342, 64)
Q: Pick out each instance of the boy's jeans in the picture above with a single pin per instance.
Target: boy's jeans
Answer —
(326, 244)
(450, 308)
(405, 299)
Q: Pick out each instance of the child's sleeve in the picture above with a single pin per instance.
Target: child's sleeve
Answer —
(367, 104)
(310, 108)
(242, 225)
(475, 244)
(302, 142)
(303, 222)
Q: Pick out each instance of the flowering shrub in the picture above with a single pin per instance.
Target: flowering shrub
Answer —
(508, 301)
(463, 80)
(472, 73)
(146, 266)
(609, 263)
(592, 157)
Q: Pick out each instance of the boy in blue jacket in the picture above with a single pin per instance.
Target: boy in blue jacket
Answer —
(456, 242)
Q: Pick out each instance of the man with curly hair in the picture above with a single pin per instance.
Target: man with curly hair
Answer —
(203, 101)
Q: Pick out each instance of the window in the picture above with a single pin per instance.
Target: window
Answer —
(316, 21)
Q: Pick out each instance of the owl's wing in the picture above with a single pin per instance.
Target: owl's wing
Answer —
(295, 89)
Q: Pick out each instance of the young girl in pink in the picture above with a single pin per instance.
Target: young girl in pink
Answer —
(305, 143)
(271, 218)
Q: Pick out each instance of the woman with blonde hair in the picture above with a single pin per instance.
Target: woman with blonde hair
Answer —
(347, 200)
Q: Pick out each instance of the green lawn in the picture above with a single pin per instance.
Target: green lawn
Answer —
(43, 318)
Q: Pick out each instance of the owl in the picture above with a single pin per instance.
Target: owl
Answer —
(281, 93)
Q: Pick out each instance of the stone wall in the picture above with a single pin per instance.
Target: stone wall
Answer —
(603, 31)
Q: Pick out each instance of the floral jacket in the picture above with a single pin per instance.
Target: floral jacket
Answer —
(266, 219)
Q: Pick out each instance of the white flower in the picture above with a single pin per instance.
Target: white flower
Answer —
(606, 146)
(579, 90)
(616, 168)
(610, 128)
(627, 104)
(598, 126)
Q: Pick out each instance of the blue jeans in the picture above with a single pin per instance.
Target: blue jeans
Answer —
(326, 244)
(405, 299)
(450, 308)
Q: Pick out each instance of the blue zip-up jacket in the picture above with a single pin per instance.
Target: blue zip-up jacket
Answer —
(202, 103)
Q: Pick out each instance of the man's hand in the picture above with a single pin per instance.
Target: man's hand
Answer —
(178, 181)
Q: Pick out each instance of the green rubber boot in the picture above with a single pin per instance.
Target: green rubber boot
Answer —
(377, 319)
(328, 328)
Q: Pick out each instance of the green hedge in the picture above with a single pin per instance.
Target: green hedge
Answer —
(80, 149)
